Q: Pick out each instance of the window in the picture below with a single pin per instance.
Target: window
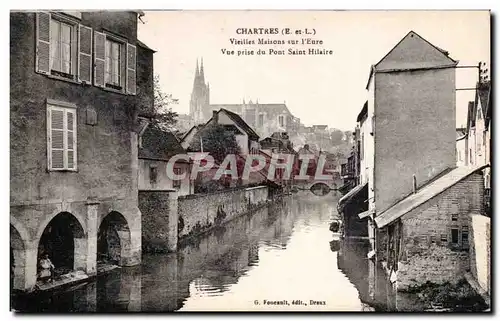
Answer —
(61, 138)
(454, 236)
(444, 238)
(261, 120)
(176, 182)
(454, 217)
(281, 120)
(63, 47)
(64, 50)
(61, 40)
(153, 174)
(465, 236)
(113, 65)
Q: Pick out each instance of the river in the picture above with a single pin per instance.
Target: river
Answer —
(281, 257)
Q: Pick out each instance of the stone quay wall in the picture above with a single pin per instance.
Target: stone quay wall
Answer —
(169, 218)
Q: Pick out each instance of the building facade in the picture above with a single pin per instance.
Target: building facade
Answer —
(428, 232)
(155, 151)
(413, 117)
(478, 134)
(410, 122)
(246, 137)
(76, 94)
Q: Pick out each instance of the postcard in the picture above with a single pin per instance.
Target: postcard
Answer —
(250, 161)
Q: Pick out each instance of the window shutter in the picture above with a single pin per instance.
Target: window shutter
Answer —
(56, 139)
(99, 58)
(131, 69)
(85, 54)
(42, 59)
(123, 66)
(71, 139)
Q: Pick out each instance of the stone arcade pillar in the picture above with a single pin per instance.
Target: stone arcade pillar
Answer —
(89, 263)
(131, 240)
(25, 270)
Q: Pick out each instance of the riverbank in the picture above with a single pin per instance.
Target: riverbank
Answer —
(199, 230)
(447, 297)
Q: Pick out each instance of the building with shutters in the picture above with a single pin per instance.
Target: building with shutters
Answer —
(477, 138)
(79, 82)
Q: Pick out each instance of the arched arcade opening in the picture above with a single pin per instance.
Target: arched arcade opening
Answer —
(65, 243)
(113, 239)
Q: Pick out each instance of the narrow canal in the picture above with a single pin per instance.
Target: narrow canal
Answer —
(283, 254)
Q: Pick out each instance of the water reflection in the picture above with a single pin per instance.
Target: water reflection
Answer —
(282, 252)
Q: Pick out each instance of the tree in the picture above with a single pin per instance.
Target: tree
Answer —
(217, 140)
(336, 137)
(163, 116)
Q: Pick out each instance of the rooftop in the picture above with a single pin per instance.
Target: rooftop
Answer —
(425, 193)
(158, 144)
(241, 123)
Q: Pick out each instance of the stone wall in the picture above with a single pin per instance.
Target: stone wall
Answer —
(480, 247)
(159, 220)
(199, 212)
(425, 254)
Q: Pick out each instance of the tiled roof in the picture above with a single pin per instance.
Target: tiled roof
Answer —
(143, 45)
(159, 144)
(363, 112)
(483, 91)
(471, 116)
(488, 111)
(461, 132)
(242, 124)
(482, 98)
(196, 128)
(425, 194)
(350, 195)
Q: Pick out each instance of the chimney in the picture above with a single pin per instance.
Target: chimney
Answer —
(215, 116)
(414, 183)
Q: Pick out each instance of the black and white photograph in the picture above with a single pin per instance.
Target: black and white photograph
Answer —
(250, 161)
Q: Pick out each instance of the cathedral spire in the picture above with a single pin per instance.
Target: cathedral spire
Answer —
(196, 74)
(202, 72)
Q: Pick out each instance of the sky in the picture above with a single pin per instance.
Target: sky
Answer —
(328, 89)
